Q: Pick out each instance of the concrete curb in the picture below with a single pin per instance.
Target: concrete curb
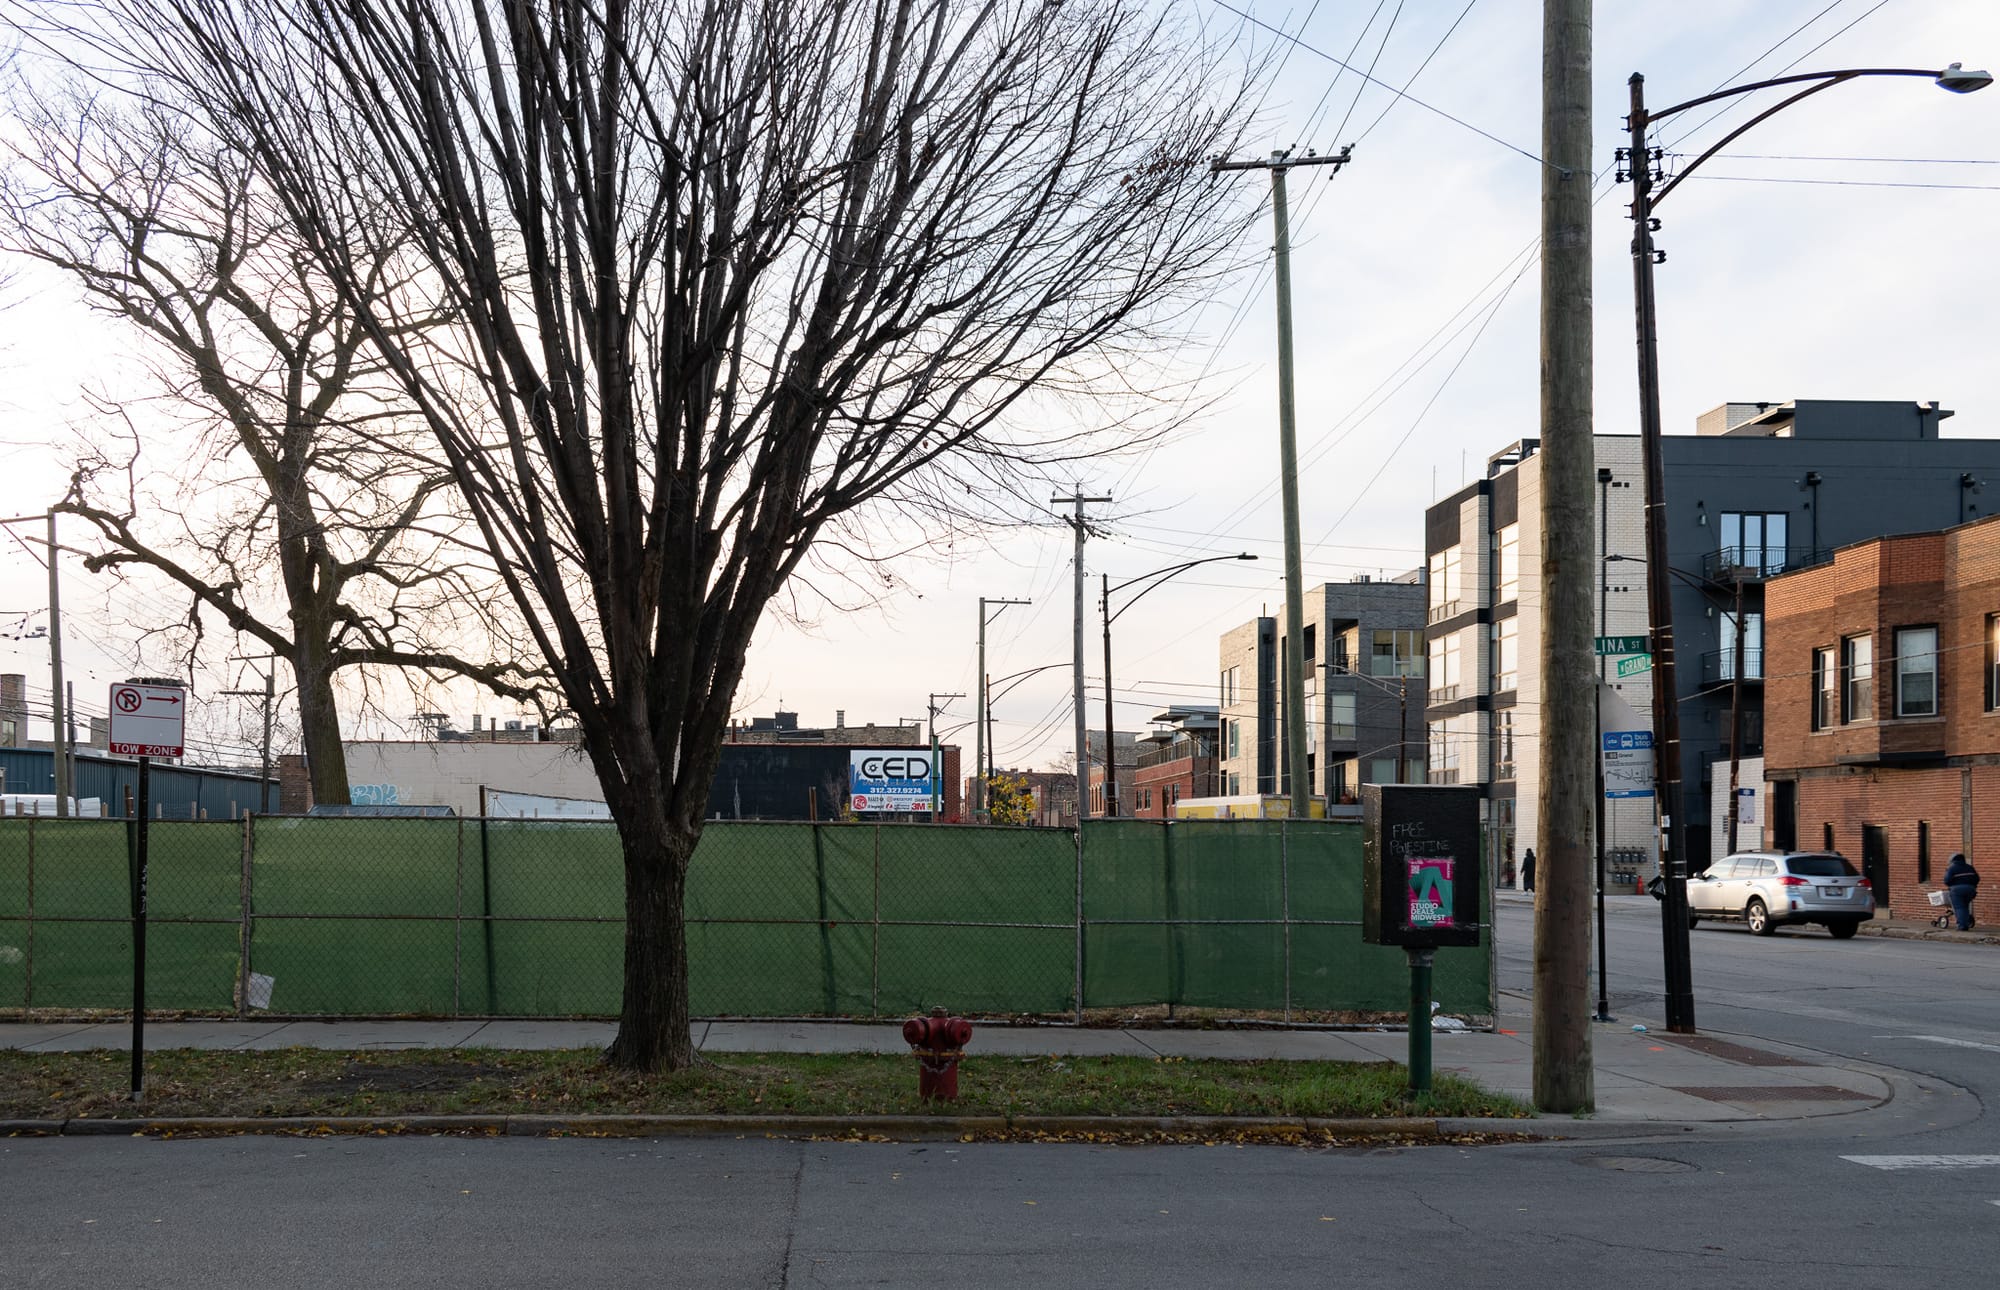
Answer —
(1925, 932)
(883, 1127)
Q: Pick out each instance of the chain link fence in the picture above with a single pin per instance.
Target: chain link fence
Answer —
(469, 917)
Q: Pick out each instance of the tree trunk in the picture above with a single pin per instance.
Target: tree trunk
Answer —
(653, 1024)
(319, 725)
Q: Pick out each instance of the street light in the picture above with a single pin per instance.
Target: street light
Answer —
(1638, 161)
(1155, 579)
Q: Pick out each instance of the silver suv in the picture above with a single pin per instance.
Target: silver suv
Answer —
(1766, 889)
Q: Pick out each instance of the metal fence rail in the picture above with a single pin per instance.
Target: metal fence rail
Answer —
(467, 917)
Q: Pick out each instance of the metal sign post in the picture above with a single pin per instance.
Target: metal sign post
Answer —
(137, 844)
(147, 721)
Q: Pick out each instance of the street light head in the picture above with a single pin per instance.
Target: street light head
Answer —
(1960, 81)
(1246, 556)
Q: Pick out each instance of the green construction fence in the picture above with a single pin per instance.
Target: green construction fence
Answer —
(468, 917)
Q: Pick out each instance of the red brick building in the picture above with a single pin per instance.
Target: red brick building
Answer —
(1882, 706)
(1176, 760)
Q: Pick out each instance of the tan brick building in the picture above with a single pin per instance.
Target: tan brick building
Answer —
(1882, 706)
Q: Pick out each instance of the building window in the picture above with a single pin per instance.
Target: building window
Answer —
(1446, 578)
(1916, 672)
(1826, 688)
(1312, 719)
(1507, 653)
(1396, 652)
(1753, 647)
(1992, 662)
(1857, 675)
(1444, 676)
(1235, 783)
(1235, 748)
(1923, 850)
(1510, 563)
(1503, 744)
(1381, 770)
(1339, 785)
(1229, 692)
(1754, 540)
(1340, 716)
(1310, 641)
(1826, 834)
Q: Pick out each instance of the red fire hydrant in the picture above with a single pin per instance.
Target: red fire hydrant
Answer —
(937, 1041)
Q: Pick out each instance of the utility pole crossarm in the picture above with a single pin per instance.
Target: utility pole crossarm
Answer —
(1283, 161)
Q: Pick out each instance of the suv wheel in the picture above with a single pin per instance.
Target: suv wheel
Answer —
(1759, 918)
(1843, 929)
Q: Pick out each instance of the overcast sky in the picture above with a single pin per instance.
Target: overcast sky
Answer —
(1842, 250)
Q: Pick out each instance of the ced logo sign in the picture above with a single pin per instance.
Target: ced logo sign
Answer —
(897, 767)
(889, 779)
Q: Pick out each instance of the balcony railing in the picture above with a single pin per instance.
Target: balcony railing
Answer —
(1178, 751)
(1733, 564)
(1719, 665)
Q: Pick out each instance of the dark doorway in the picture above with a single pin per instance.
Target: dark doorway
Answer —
(1785, 815)
(1875, 862)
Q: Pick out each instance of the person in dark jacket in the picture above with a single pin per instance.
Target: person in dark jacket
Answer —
(1961, 883)
(1528, 870)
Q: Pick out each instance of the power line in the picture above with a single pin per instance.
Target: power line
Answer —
(1840, 183)
(1428, 107)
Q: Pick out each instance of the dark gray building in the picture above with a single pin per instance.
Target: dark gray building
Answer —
(1365, 693)
(1758, 489)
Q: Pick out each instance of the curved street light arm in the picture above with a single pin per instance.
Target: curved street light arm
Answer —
(1835, 76)
(1159, 576)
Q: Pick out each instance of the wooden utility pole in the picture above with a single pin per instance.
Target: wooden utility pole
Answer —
(1292, 708)
(1563, 1077)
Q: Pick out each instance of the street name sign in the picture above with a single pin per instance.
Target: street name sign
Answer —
(148, 720)
(1621, 645)
(1636, 664)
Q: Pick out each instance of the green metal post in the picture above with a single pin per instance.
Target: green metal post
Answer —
(1420, 1019)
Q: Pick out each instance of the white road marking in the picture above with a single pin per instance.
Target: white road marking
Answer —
(1955, 1043)
(1927, 1162)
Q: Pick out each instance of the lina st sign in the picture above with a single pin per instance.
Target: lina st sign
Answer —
(889, 779)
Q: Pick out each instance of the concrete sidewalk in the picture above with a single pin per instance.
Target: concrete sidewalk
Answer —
(1641, 1077)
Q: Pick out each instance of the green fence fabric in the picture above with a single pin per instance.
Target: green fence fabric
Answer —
(450, 917)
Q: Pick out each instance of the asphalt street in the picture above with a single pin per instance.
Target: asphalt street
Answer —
(1904, 1195)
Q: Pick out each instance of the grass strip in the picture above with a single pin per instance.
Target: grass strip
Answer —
(317, 1082)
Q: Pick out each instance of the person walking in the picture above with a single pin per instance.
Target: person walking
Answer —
(1528, 870)
(1961, 883)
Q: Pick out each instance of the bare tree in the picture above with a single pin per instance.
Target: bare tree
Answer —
(291, 506)
(738, 281)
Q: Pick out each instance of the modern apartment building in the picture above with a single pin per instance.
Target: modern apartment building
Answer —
(1758, 489)
(1364, 689)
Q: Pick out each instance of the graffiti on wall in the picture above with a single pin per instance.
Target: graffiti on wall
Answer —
(374, 795)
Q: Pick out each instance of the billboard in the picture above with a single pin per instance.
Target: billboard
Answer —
(889, 779)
